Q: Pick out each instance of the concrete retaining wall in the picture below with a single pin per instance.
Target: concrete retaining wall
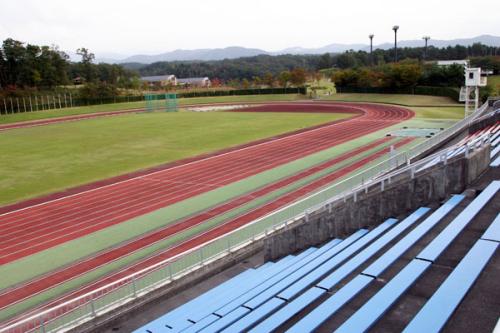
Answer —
(369, 209)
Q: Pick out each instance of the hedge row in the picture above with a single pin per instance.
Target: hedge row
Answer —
(453, 93)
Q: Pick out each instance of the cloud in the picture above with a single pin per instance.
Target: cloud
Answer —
(151, 26)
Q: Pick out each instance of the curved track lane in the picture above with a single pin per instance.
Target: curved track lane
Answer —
(48, 224)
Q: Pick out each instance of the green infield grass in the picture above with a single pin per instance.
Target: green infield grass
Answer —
(44, 159)
(494, 83)
(401, 99)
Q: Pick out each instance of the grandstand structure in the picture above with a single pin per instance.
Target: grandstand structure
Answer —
(299, 293)
(369, 280)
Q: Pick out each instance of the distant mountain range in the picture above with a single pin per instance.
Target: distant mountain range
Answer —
(238, 52)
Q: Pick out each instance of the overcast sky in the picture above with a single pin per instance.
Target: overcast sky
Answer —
(149, 26)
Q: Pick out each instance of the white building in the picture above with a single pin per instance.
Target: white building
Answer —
(160, 80)
(464, 63)
(195, 81)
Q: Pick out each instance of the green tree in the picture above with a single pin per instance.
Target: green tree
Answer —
(298, 77)
(325, 61)
(88, 72)
(284, 78)
(268, 79)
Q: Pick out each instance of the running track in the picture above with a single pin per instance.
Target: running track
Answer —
(74, 216)
(33, 229)
(25, 291)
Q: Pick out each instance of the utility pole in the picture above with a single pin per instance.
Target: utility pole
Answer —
(395, 28)
(426, 38)
(371, 48)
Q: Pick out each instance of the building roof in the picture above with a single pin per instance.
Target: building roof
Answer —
(192, 79)
(157, 78)
(453, 62)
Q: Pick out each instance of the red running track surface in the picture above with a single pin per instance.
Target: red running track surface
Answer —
(33, 229)
(47, 282)
(82, 267)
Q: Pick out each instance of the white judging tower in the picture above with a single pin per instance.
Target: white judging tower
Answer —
(470, 93)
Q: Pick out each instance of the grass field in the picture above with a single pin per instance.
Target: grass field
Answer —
(45, 159)
(12, 118)
(494, 83)
(407, 100)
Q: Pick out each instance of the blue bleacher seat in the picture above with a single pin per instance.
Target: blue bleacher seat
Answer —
(339, 274)
(272, 280)
(351, 289)
(441, 242)
(288, 311)
(439, 308)
(320, 314)
(225, 321)
(495, 163)
(203, 309)
(379, 265)
(198, 314)
(372, 310)
(495, 151)
(263, 299)
(493, 231)
(254, 316)
(178, 316)
(319, 272)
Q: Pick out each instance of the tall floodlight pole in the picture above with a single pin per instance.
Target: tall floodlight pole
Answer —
(371, 48)
(426, 38)
(395, 28)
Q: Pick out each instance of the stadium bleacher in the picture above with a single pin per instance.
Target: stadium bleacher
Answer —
(491, 133)
(319, 281)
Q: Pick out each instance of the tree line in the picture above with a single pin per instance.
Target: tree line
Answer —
(33, 68)
(258, 66)
(407, 73)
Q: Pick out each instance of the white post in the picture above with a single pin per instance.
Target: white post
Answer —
(36, 102)
(24, 105)
(92, 307)
(18, 108)
(11, 106)
(65, 101)
(59, 99)
(42, 324)
(5, 106)
(70, 101)
(31, 105)
(170, 271)
(134, 288)
(476, 98)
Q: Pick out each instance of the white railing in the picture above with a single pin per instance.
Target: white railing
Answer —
(104, 299)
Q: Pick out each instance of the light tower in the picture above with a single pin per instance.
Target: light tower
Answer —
(371, 47)
(426, 38)
(395, 28)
